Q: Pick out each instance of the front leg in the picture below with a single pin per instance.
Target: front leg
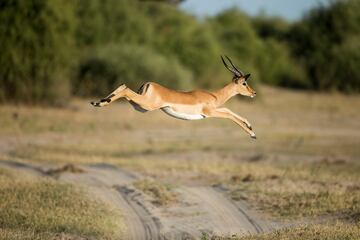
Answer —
(237, 116)
(226, 113)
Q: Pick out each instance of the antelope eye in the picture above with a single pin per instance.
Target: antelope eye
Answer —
(244, 83)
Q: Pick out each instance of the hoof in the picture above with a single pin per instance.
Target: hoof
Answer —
(253, 136)
(95, 104)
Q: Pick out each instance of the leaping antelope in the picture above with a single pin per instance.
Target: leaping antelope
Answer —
(194, 105)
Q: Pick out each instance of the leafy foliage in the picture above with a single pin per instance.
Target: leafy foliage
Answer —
(88, 46)
(113, 65)
(326, 41)
(36, 43)
(193, 43)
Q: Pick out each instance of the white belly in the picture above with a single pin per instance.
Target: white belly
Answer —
(183, 116)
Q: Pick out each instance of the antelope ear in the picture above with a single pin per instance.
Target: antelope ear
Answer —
(235, 79)
(247, 76)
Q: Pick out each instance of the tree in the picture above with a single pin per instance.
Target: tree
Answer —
(324, 39)
(36, 41)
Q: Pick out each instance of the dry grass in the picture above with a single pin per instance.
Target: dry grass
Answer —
(304, 163)
(335, 231)
(31, 208)
(160, 193)
(285, 123)
(303, 190)
(285, 189)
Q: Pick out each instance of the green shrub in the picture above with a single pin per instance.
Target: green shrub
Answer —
(112, 21)
(346, 65)
(182, 36)
(35, 45)
(135, 41)
(270, 27)
(113, 65)
(325, 40)
(233, 29)
(278, 68)
(239, 40)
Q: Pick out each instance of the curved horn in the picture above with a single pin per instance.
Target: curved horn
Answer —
(237, 73)
(241, 73)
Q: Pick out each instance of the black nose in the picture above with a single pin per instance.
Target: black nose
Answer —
(254, 93)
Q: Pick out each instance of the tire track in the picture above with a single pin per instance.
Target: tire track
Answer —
(150, 223)
(199, 210)
(207, 210)
(109, 183)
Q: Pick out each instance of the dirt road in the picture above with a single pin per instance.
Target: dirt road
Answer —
(200, 209)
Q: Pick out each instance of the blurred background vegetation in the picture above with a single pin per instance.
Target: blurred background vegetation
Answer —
(51, 50)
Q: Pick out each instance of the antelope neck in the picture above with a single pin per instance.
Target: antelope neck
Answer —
(225, 93)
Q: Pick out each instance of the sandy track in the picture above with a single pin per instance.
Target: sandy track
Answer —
(108, 184)
(207, 210)
(199, 210)
(148, 225)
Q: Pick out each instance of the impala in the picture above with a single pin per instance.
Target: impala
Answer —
(192, 105)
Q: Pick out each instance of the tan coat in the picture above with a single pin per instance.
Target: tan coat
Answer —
(197, 104)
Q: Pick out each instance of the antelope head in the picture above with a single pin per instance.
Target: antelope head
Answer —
(240, 79)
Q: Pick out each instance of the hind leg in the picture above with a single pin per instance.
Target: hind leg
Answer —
(145, 101)
(116, 94)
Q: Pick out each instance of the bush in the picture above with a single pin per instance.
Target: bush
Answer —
(345, 68)
(278, 68)
(169, 32)
(35, 50)
(182, 36)
(233, 29)
(112, 21)
(324, 40)
(113, 65)
(270, 27)
(239, 41)
(38, 40)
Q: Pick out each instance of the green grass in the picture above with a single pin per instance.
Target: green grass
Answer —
(31, 208)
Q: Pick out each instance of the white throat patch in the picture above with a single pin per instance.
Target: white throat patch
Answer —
(183, 116)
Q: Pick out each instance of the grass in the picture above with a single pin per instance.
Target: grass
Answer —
(33, 208)
(305, 162)
(160, 193)
(285, 123)
(284, 189)
(335, 231)
(304, 190)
